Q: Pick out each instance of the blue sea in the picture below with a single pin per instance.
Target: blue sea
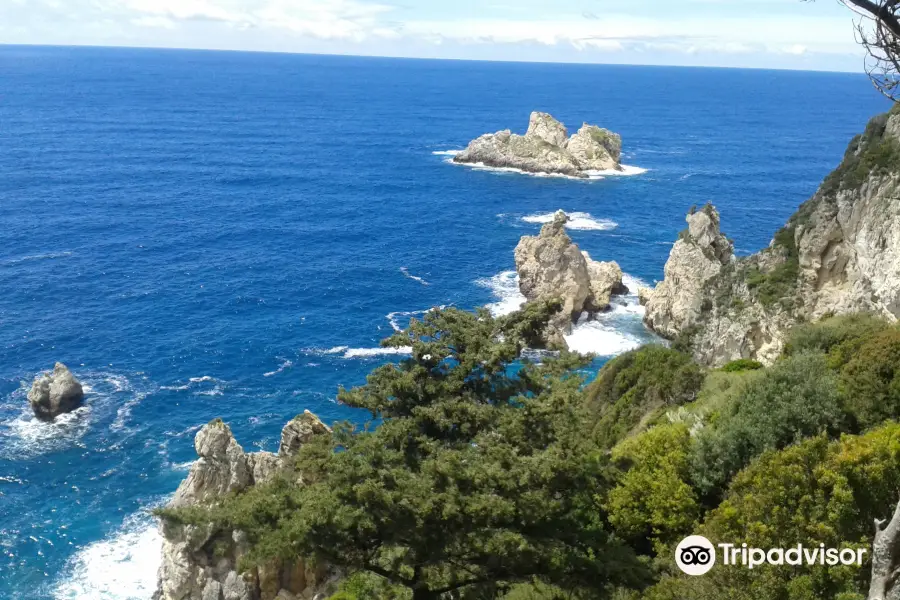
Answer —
(204, 234)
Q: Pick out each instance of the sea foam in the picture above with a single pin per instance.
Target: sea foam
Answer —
(505, 287)
(577, 220)
(409, 275)
(591, 175)
(121, 567)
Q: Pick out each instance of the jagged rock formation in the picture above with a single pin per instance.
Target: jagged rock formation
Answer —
(698, 256)
(547, 148)
(550, 266)
(201, 563)
(53, 394)
(839, 253)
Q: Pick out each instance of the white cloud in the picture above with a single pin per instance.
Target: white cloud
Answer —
(363, 26)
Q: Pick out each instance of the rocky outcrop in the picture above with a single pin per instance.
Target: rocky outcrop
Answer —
(547, 148)
(838, 254)
(605, 280)
(550, 266)
(55, 393)
(699, 255)
(201, 563)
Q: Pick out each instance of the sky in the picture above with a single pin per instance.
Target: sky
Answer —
(789, 34)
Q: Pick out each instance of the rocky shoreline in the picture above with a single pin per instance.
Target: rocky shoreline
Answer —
(547, 148)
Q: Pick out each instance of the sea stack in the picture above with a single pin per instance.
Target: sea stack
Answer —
(55, 393)
(551, 266)
(547, 148)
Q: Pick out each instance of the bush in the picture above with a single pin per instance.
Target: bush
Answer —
(631, 388)
(838, 337)
(796, 398)
(818, 491)
(652, 504)
(742, 364)
(871, 379)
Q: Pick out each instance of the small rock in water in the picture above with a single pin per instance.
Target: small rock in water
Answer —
(55, 393)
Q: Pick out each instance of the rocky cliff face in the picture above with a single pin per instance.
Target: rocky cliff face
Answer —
(547, 148)
(550, 266)
(201, 563)
(55, 393)
(839, 253)
(697, 257)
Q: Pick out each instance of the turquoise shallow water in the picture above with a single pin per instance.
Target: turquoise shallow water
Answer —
(205, 234)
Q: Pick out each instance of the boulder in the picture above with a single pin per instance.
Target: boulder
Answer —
(55, 393)
(605, 279)
(550, 266)
(545, 127)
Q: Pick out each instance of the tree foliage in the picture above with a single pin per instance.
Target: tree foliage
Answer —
(478, 476)
(652, 504)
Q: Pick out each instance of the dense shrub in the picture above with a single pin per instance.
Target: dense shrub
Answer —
(837, 337)
(652, 504)
(742, 364)
(796, 398)
(871, 379)
(634, 386)
(811, 493)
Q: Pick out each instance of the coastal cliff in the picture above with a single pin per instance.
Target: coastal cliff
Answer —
(547, 148)
(201, 563)
(838, 254)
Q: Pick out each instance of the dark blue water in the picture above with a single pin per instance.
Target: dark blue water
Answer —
(217, 234)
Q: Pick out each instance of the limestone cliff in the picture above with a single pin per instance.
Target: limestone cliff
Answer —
(839, 253)
(202, 563)
(547, 148)
(550, 266)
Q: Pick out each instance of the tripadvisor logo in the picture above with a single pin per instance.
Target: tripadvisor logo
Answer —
(696, 555)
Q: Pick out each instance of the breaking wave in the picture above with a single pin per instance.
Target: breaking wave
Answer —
(406, 273)
(505, 287)
(577, 220)
(286, 364)
(121, 567)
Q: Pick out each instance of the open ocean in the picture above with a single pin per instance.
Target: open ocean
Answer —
(202, 234)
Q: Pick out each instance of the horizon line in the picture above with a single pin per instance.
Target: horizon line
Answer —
(422, 58)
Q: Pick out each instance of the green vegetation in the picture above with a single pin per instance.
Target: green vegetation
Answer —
(839, 338)
(652, 500)
(816, 491)
(491, 477)
(477, 478)
(796, 398)
(871, 379)
(638, 385)
(742, 364)
(869, 155)
(779, 283)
